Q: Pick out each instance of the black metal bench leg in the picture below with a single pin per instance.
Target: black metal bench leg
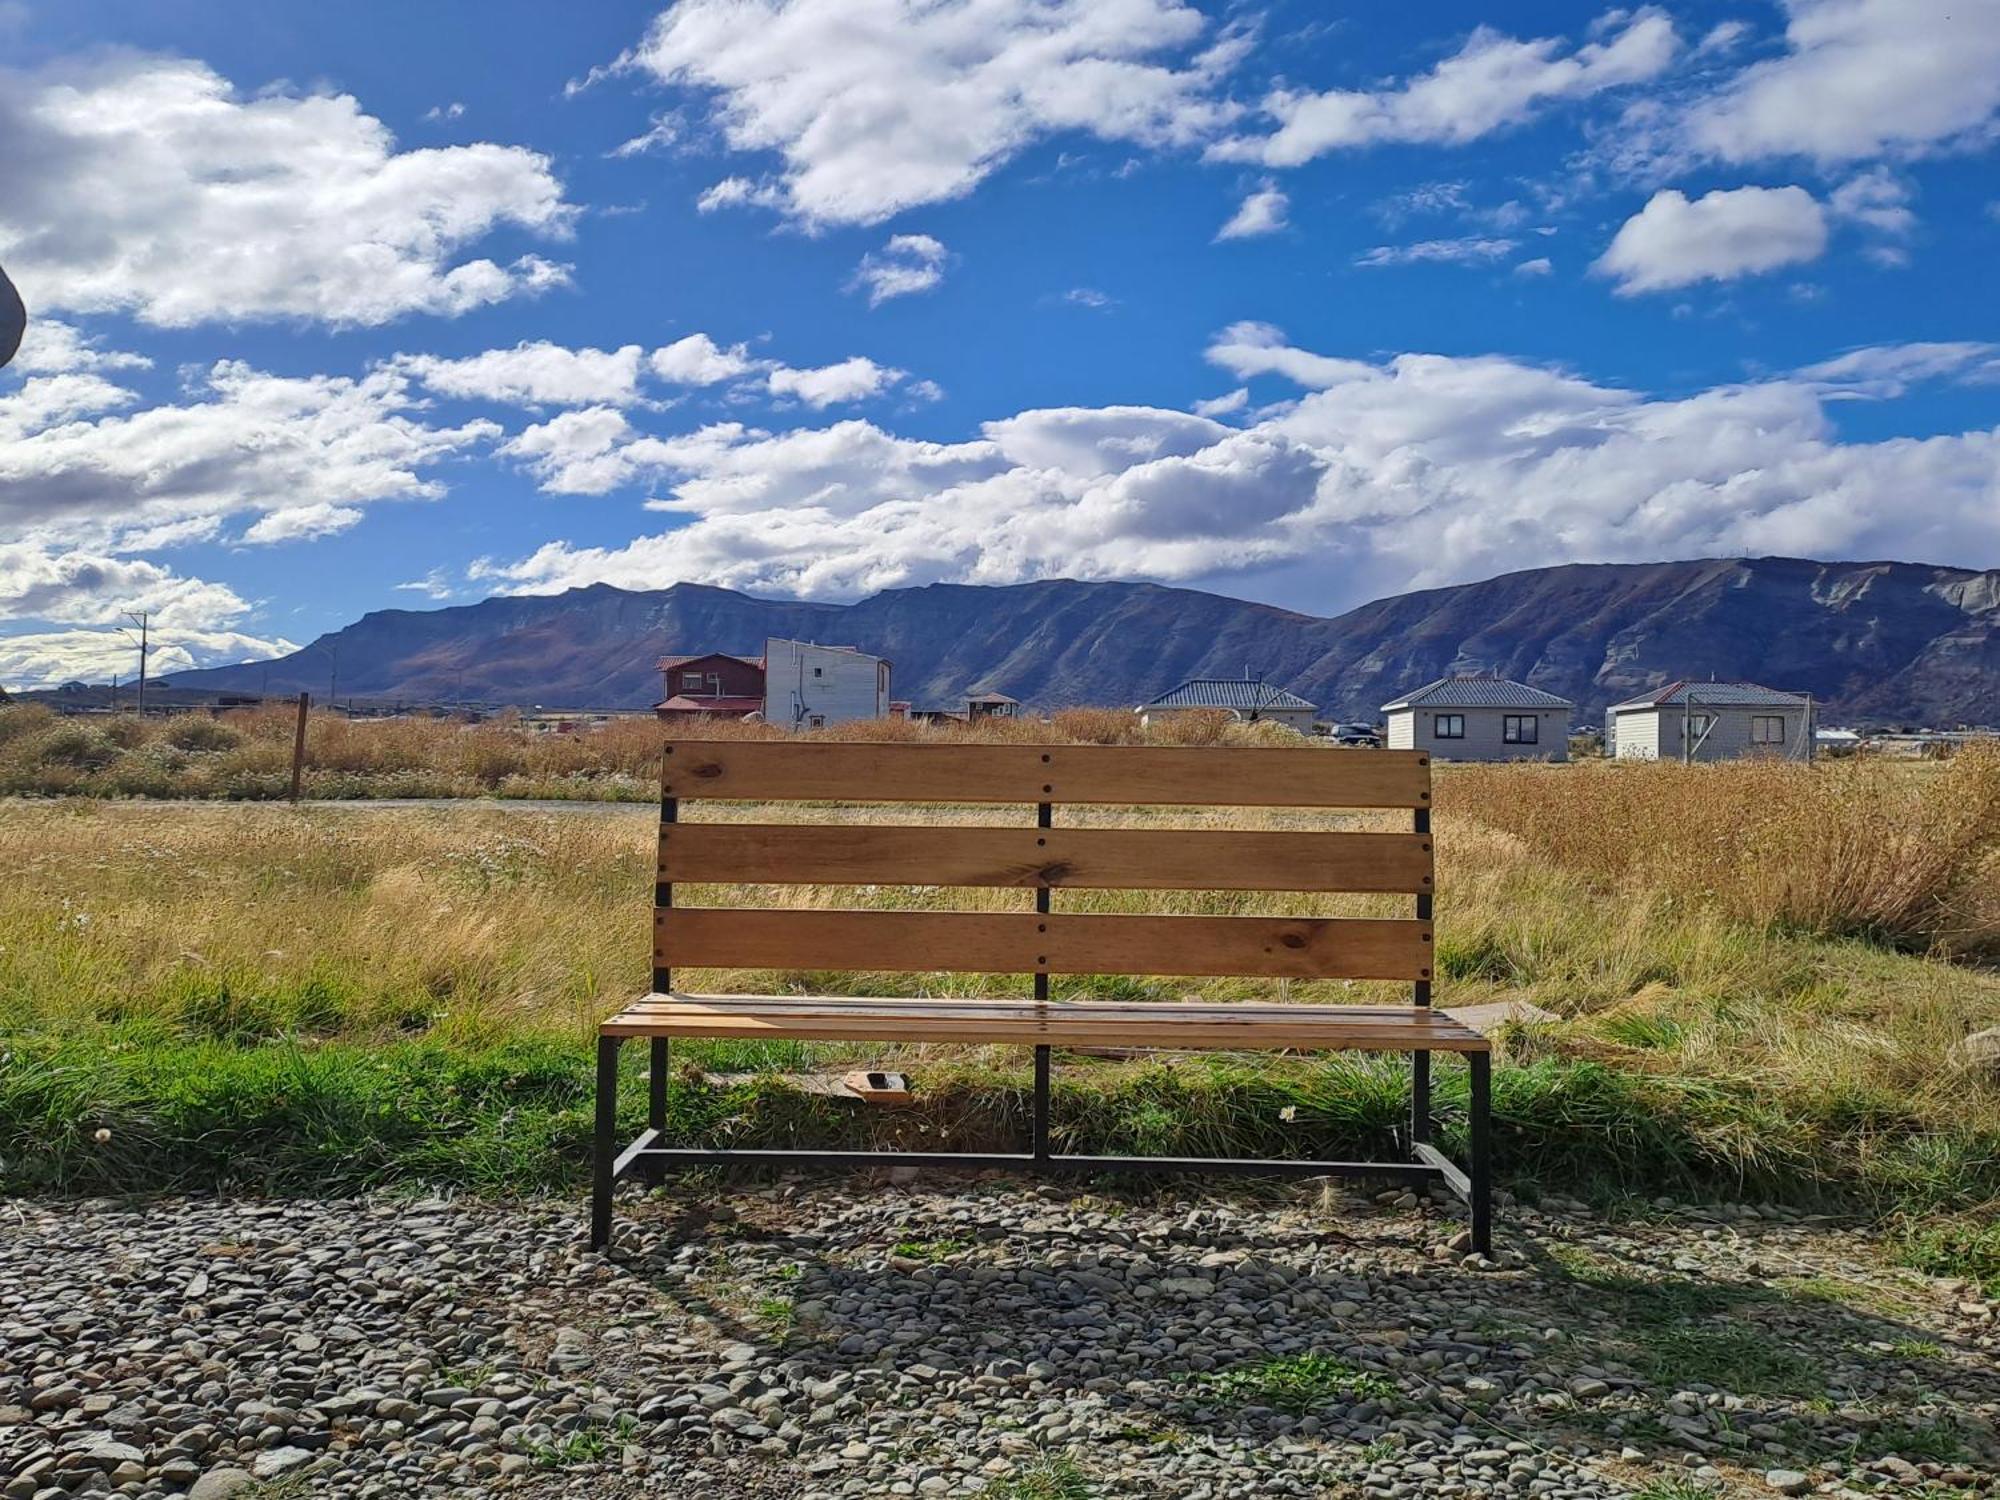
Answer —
(655, 1167)
(1420, 1096)
(604, 1154)
(1482, 1151)
(1041, 1129)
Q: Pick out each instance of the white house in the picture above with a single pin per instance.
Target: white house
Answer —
(1711, 721)
(1480, 718)
(1246, 698)
(809, 686)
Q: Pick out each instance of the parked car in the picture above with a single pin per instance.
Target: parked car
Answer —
(1357, 734)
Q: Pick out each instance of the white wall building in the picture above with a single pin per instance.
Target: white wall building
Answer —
(1711, 721)
(809, 686)
(1480, 718)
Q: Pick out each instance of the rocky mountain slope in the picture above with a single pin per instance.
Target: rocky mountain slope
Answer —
(1880, 641)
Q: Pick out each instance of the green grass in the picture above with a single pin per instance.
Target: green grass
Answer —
(932, 1252)
(1299, 1384)
(1741, 1361)
(1054, 1478)
(587, 1445)
(298, 1114)
(1967, 1249)
(1673, 1487)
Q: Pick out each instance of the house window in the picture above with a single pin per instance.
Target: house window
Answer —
(1767, 729)
(1449, 727)
(1521, 729)
(691, 679)
(815, 721)
(1698, 726)
(817, 672)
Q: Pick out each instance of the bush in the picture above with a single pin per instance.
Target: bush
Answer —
(198, 732)
(20, 720)
(79, 747)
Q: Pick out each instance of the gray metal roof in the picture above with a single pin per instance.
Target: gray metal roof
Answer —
(1713, 695)
(1477, 692)
(1227, 692)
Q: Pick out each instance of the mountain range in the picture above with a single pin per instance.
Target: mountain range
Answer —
(1872, 641)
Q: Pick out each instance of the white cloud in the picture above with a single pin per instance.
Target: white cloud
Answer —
(532, 374)
(1222, 406)
(49, 658)
(908, 264)
(1860, 79)
(1247, 350)
(1088, 296)
(1887, 370)
(440, 113)
(433, 585)
(853, 379)
(740, 192)
(699, 360)
(1721, 236)
(1468, 250)
(77, 466)
(1415, 471)
(880, 105)
(662, 131)
(86, 588)
(1489, 84)
(1877, 200)
(53, 347)
(149, 185)
(1262, 212)
(1541, 265)
(301, 523)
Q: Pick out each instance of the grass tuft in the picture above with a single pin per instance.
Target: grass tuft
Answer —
(1299, 1383)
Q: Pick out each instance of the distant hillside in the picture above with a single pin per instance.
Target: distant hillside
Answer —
(1880, 641)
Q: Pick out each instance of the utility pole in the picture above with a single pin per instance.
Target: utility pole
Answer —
(140, 618)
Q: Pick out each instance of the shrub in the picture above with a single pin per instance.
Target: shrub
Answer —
(197, 732)
(80, 747)
(20, 720)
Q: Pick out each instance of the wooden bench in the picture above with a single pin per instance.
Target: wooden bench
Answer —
(1044, 941)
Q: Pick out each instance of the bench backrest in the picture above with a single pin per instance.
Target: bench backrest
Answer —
(1044, 858)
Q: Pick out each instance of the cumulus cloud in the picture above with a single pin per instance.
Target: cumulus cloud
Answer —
(54, 347)
(1721, 236)
(536, 373)
(1466, 250)
(1262, 212)
(1860, 79)
(49, 658)
(876, 106)
(151, 185)
(908, 264)
(1541, 265)
(852, 379)
(78, 466)
(1489, 84)
(699, 360)
(1378, 476)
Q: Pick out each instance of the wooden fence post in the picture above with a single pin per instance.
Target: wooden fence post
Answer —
(299, 745)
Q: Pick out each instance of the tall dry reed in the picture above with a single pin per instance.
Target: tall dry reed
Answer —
(1892, 851)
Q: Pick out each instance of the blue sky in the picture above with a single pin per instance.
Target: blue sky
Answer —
(344, 308)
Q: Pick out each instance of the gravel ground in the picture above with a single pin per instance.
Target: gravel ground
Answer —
(959, 1336)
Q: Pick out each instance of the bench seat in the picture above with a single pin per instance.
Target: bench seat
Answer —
(1080, 1023)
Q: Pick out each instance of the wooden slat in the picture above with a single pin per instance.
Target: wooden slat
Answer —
(1030, 942)
(1060, 1023)
(822, 771)
(1078, 858)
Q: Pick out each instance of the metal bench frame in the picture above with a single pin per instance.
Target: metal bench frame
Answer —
(648, 1154)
